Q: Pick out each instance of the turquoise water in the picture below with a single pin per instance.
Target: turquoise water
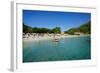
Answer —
(76, 48)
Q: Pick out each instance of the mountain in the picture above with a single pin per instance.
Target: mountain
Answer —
(27, 29)
(84, 29)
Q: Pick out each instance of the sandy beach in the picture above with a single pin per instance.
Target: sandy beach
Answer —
(48, 37)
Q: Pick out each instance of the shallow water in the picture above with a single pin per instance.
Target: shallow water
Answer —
(76, 48)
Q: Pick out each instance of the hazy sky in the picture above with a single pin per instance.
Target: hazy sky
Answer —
(52, 19)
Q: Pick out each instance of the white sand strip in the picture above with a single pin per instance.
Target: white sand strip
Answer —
(52, 37)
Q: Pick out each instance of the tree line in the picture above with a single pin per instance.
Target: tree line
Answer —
(27, 29)
(84, 28)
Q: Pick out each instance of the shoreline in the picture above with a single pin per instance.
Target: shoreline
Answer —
(51, 37)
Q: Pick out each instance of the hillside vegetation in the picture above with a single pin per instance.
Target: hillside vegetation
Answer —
(84, 28)
(28, 29)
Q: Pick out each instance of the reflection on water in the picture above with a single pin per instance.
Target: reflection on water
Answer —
(77, 48)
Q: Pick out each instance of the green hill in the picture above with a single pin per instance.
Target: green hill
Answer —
(28, 29)
(85, 29)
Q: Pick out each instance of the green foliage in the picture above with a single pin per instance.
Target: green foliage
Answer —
(56, 30)
(72, 31)
(40, 30)
(27, 29)
(85, 28)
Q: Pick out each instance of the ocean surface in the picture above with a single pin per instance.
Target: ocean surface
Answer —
(74, 48)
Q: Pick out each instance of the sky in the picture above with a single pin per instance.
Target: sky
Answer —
(52, 19)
